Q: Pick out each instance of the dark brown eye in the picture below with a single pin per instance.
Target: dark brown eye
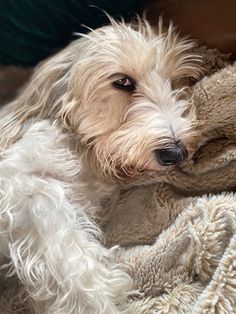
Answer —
(125, 83)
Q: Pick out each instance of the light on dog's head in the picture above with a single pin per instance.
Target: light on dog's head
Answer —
(125, 83)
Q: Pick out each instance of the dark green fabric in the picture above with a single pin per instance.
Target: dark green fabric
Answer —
(30, 30)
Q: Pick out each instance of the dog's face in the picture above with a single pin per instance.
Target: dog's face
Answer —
(118, 89)
(123, 104)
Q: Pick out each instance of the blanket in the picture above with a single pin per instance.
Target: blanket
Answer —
(176, 235)
(178, 238)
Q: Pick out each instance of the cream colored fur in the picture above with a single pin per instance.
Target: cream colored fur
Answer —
(70, 141)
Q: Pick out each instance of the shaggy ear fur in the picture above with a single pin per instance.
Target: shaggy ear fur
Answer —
(41, 98)
(177, 54)
(178, 58)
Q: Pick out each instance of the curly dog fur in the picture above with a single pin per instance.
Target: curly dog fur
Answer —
(97, 114)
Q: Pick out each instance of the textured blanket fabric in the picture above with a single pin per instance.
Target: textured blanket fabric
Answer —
(188, 264)
(177, 239)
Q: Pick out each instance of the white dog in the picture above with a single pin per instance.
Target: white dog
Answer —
(102, 111)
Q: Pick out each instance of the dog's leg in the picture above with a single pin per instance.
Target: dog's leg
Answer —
(52, 244)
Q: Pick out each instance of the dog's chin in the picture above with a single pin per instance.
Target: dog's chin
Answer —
(153, 166)
(139, 168)
(158, 167)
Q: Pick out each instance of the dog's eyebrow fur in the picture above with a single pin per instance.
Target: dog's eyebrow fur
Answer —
(119, 75)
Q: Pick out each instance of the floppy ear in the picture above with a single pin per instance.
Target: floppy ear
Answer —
(178, 57)
(42, 97)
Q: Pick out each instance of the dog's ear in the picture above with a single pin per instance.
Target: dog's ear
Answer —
(179, 60)
(41, 98)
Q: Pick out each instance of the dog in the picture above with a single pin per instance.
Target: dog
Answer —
(103, 111)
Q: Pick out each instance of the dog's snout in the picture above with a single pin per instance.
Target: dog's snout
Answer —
(171, 156)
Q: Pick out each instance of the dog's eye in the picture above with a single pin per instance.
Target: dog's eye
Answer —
(125, 83)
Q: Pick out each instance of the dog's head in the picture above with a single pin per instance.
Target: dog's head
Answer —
(119, 90)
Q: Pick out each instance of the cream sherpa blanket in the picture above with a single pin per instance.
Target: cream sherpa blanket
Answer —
(180, 248)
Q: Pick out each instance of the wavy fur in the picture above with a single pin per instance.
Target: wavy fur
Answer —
(55, 172)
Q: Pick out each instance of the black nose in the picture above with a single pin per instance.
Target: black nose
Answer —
(171, 156)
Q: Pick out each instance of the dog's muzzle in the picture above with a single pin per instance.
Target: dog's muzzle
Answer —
(171, 156)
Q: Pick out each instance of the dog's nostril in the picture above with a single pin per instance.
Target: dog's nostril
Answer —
(171, 156)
